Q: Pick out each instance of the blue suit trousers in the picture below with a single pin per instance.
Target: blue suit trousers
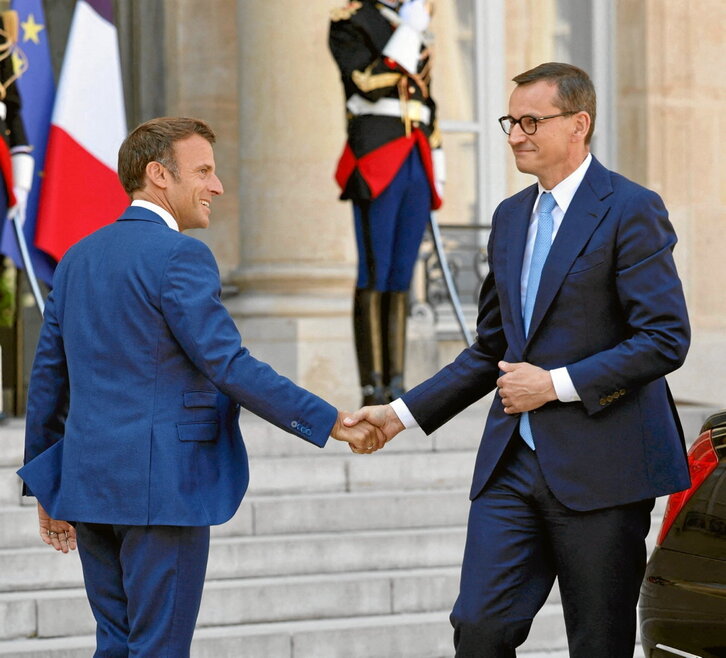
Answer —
(519, 538)
(144, 584)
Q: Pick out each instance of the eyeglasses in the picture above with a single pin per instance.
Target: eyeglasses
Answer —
(528, 123)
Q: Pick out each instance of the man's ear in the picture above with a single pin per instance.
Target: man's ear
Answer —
(582, 126)
(157, 174)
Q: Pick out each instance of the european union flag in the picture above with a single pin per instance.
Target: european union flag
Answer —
(37, 91)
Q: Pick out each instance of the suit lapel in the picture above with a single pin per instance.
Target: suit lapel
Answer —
(517, 227)
(588, 207)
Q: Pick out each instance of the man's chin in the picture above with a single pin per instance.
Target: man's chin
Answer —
(523, 164)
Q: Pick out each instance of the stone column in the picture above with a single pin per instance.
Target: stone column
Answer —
(296, 241)
(201, 81)
(671, 99)
(530, 26)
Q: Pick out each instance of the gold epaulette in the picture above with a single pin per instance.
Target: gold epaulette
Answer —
(344, 13)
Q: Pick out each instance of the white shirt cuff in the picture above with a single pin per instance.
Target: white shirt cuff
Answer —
(404, 47)
(404, 415)
(563, 385)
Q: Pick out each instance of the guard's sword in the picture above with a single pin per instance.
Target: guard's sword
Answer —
(27, 263)
(449, 281)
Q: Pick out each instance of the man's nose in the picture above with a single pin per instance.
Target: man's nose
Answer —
(216, 186)
(516, 135)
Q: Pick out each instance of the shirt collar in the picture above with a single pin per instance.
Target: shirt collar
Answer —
(164, 214)
(565, 190)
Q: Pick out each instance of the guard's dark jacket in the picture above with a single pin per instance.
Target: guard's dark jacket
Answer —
(358, 34)
(11, 125)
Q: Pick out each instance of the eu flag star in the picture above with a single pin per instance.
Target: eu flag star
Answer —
(31, 29)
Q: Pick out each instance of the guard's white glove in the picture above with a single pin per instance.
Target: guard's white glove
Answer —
(439, 161)
(23, 166)
(416, 14)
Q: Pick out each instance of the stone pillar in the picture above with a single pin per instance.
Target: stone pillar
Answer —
(201, 81)
(671, 139)
(296, 241)
(530, 26)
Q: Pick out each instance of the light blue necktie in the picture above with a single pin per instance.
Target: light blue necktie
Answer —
(542, 244)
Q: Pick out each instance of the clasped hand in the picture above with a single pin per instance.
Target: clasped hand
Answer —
(368, 429)
(524, 387)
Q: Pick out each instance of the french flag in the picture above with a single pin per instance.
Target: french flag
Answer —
(81, 191)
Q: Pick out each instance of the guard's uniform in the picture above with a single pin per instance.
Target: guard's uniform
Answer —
(387, 171)
(14, 141)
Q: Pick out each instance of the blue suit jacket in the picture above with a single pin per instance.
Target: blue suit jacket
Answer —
(135, 390)
(610, 307)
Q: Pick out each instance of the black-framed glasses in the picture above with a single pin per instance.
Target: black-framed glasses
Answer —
(527, 122)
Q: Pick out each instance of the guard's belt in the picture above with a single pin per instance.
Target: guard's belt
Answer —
(390, 107)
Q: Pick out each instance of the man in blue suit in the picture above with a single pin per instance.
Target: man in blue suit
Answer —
(132, 421)
(580, 318)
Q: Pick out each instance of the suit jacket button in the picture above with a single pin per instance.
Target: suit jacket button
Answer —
(603, 402)
(622, 391)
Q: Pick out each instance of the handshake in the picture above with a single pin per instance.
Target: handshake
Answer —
(368, 429)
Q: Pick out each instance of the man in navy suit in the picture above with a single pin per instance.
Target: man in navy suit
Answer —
(133, 408)
(580, 318)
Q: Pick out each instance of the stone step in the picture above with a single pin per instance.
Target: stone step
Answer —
(10, 491)
(282, 464)
(59, 613)
(246, 557)
(12, 435)
(461, 434)
(329, 472)
(313, 513)
(419, 635)
(395, 635)
(427, 470)
(265, 440)
(303, 513)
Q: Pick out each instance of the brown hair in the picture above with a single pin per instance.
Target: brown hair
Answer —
(153, 141)
(575, 91)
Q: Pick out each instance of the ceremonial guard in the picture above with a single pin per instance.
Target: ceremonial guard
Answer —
(391, 169)
(16, 163)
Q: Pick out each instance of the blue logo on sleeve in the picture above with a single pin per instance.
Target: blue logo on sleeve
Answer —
(300, 427)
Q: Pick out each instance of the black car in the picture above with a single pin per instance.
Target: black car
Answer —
(683, 597)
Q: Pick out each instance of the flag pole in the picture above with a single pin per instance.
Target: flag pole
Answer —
(27, 263)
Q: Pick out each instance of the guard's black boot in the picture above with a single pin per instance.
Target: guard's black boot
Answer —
(369, 345)
(395, 355)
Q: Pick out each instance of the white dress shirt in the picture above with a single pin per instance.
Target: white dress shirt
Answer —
(164, 214)
(563, 193)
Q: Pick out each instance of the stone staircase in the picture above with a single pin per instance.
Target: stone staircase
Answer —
(330, 555)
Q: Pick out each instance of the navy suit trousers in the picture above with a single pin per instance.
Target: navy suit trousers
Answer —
(144, 584)
(520, 537)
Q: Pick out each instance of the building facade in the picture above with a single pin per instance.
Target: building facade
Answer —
(261, 74)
